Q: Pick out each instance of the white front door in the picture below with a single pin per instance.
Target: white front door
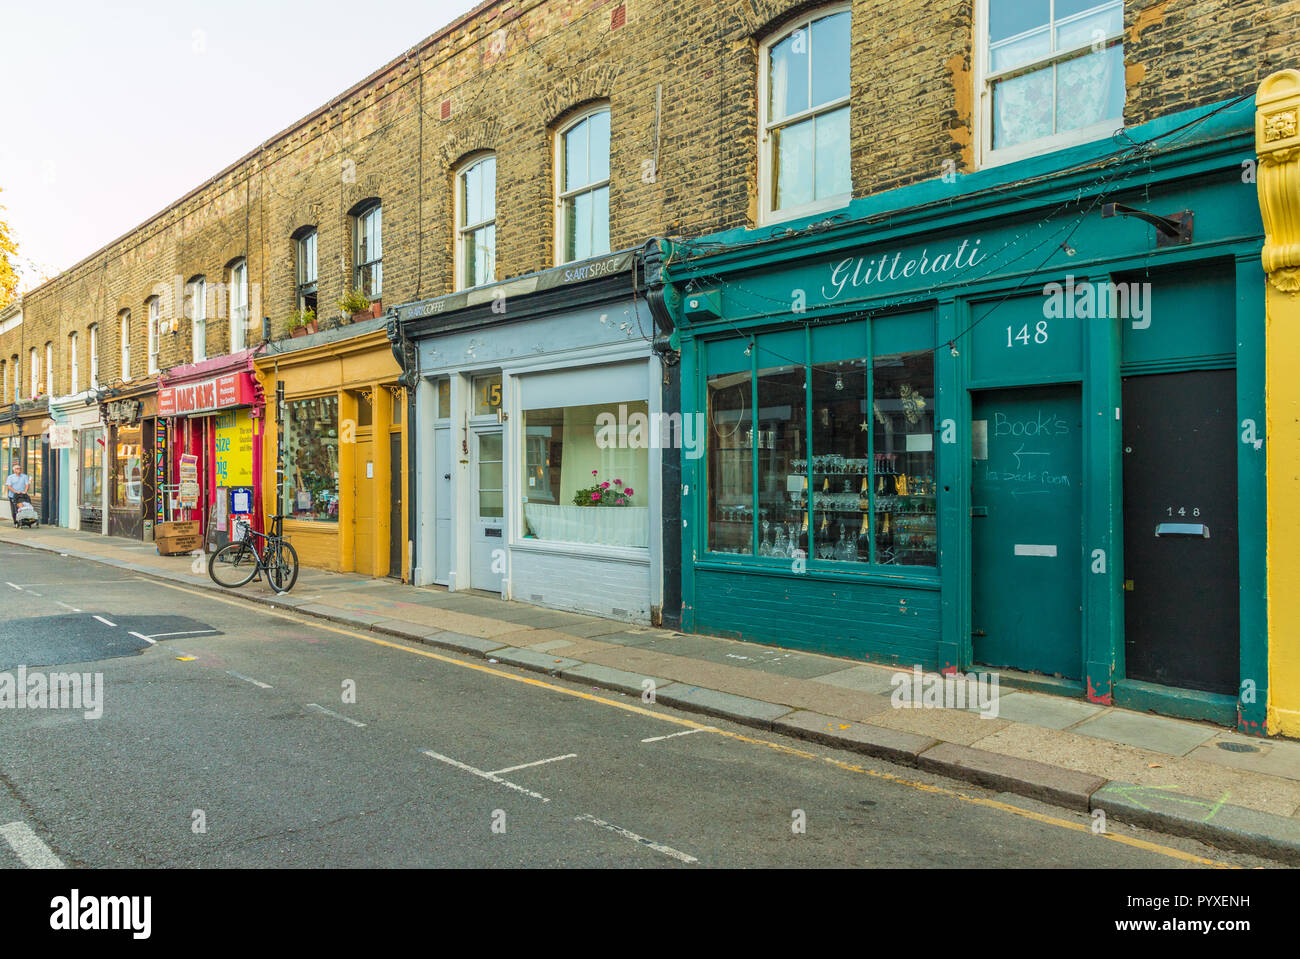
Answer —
(442, 505)
(487, 537)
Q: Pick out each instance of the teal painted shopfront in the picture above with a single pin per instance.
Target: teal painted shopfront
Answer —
(995, 423)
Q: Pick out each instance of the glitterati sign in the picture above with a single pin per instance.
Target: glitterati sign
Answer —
(215, 394)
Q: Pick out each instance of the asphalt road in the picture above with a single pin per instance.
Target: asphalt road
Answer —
(228, 738)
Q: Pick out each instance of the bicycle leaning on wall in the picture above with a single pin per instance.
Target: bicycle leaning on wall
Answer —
(253, 554)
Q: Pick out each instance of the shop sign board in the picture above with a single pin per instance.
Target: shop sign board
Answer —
(122, 412)
(189, 481)
(61, 436)
(234, 459)
(233, 389)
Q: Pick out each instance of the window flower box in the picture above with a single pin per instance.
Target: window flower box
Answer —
(609, 526)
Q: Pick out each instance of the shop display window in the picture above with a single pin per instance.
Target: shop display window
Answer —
(731, 463)
(311, 459)
(128, 468)
(92, 467)
(586, 473)
(841, 451)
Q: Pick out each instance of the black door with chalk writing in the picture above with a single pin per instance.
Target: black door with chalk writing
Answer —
(1026, 530)
(1181, 619)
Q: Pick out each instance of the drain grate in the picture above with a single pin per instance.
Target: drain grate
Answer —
(1239, 747)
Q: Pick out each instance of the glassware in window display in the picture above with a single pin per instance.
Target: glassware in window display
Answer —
(730, 464)
(839, 445)
(782, 425)
(902, 411)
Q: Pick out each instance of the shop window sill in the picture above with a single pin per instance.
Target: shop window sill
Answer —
(625, 554)
(921, 577)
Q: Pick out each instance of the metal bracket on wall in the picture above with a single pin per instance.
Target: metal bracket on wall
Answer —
(1170, 230)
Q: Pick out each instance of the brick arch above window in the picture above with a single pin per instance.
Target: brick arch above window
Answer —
(365, 189)
(759, 18)
(483, 136)
(578, 93)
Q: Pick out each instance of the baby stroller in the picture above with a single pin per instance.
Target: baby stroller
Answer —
(25, 514)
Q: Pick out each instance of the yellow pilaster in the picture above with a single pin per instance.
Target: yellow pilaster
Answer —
(1277, 142)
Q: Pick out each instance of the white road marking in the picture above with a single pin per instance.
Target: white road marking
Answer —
(33, 592)
(144, 637)
(540, 762)
(255, 682)
(29, 847)
(655, 739)
(330, 712)
(490, 777)
(105, 622)
(14, 585)
(59, 602)
(628, 834)
(186, 632)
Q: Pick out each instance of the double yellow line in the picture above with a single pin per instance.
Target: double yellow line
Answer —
(1132, 841)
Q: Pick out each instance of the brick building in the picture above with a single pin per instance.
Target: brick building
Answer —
(363, 192)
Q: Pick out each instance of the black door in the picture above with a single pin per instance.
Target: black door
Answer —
(1181, 621)
(395, 505)
(49, 484)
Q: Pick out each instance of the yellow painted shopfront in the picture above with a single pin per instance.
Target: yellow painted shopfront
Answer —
(342, 434)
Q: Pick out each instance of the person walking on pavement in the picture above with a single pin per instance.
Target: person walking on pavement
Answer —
(16, 483)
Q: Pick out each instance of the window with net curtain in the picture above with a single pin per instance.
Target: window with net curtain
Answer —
(1054, 69)
(585, 467)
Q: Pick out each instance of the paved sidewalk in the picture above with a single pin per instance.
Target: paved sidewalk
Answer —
(1188, 778)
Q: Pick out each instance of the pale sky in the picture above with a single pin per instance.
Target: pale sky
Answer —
(114, 110)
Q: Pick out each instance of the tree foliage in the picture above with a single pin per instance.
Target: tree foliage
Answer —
(8, 255)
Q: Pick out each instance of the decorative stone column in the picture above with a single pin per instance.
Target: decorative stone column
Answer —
(1277, 142)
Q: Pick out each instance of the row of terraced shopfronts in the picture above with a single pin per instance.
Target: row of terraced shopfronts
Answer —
(965, 426)
(991, 423)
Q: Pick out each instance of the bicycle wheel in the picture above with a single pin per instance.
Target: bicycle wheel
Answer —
(282, 567)
(233, 565)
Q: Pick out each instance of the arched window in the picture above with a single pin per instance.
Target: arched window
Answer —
(155, 320)
(13, 362)
(196, 310)
(238, 305)
(94, 356)
(74, 367)
(368, 250)
(34, 363)
(124, 321)
(476, 222)
(804, 116)
(582, 186)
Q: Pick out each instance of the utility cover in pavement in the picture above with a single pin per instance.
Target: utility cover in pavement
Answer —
(81, 638)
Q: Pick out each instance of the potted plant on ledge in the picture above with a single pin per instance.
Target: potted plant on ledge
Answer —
(356, 305)
(301, 322)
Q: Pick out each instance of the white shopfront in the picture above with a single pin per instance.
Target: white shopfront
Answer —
(80, 435)
(538, 475)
